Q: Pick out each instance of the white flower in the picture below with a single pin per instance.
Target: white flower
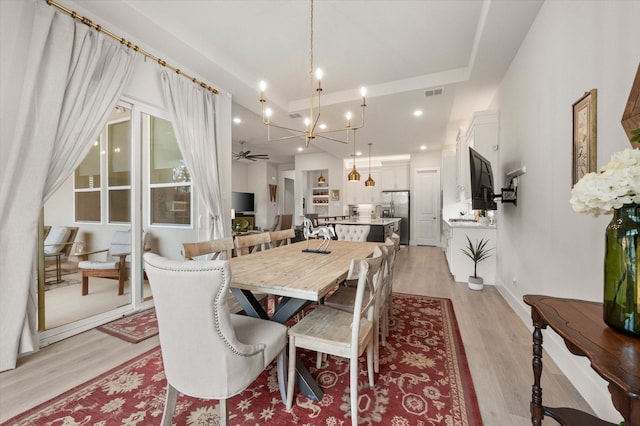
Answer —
(617, 184)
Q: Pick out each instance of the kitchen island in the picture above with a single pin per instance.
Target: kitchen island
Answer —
(380, 229)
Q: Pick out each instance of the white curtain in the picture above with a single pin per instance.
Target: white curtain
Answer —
(193, 114)
(73, 78)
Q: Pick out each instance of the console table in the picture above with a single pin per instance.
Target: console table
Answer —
(613, 355)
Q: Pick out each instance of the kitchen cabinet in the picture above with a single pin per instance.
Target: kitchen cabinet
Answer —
(482, 136)
(386, 177)
(455, 239)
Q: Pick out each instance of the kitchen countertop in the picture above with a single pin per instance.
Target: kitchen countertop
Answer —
(366, 221)
(467, 223)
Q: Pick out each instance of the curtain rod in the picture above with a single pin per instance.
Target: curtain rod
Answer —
(130, 45)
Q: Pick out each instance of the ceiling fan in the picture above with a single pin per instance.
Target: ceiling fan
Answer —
(246, 155)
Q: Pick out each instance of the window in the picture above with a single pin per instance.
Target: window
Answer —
(169, 178)
(111, 152)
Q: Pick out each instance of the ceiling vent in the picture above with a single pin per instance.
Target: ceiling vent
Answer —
(295, 115)
(437, 91)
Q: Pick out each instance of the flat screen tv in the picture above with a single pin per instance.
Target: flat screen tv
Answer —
(482, 194)
(242, 201)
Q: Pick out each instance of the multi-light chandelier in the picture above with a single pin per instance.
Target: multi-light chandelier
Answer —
(312, 128)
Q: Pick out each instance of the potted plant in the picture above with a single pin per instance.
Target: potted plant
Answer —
(477, 253)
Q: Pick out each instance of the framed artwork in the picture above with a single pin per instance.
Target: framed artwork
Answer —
(584, 135)
(631, 115)
(335, 195)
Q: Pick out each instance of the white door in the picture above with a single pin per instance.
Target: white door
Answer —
(426, 185)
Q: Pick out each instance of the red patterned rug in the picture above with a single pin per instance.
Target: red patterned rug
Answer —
(133, 328)
(424, 380)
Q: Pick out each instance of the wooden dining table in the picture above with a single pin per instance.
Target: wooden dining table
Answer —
(298, 278)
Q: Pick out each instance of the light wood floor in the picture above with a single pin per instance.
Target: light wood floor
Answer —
(497, 344)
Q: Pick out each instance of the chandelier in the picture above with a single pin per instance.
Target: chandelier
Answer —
(312, 129)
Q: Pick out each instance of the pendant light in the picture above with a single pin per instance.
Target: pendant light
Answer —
(321, 179)
(353, 175)
(369, 181)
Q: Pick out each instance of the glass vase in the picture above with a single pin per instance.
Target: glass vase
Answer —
(621, 279)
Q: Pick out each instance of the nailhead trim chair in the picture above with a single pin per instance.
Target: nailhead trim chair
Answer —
(352, 232)
(208, 352)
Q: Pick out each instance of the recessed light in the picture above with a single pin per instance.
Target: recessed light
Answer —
(423, 147)
(300, 149)
(417, 112)
(359, 153)
(237, 120)
(322, 126)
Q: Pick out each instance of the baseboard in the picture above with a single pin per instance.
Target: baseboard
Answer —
(577, 369)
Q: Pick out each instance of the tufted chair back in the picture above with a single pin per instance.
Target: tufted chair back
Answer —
(352, 232)
(207, 351)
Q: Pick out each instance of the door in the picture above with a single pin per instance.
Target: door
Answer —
(427, 207)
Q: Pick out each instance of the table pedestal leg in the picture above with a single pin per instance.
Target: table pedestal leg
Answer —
(287, 308)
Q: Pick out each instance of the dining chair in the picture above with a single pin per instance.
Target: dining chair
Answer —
(251, 243)
(220, 249)
(207, 351)
(286, 221)
(348, 335)
(281, 238)
(352, 232)
(396, 241)
(344, 299)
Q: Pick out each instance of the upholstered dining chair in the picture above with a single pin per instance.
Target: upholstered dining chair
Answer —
(251, 243)
(207, 351)
(114, 266)
(286, 221)
(281, 238)
(348, 335)
(352, 232)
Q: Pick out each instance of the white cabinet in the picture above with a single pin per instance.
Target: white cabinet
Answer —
(482, 136)
(394, 177)
(460, 265)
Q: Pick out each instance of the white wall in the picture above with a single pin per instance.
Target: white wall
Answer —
(543, 246)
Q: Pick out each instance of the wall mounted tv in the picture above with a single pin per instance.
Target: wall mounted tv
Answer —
(242, 201)
(482, 193)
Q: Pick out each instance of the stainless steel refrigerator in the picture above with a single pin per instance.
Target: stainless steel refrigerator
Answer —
(397, 204)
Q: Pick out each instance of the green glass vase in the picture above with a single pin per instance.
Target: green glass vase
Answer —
(621, 279)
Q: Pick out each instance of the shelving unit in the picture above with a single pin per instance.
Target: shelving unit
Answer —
(320, 196)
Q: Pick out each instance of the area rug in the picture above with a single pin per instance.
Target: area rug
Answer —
(133, 328)
(424, 380)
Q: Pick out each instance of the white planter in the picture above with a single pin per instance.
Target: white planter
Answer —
(476, 283)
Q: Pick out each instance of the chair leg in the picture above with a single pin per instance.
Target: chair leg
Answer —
(224, 412)
(370, 365)
(376, 344)
(353, 383)
(122, 274)
(281, 365)
(292, 372)
(85, 285)
(169, 405)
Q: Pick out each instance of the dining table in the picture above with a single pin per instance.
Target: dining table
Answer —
(297, 276)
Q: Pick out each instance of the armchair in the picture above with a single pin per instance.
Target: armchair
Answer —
(57, 245)
(208, 352)
(114, 266)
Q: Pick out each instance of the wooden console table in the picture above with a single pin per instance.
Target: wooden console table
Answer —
(613, 355)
